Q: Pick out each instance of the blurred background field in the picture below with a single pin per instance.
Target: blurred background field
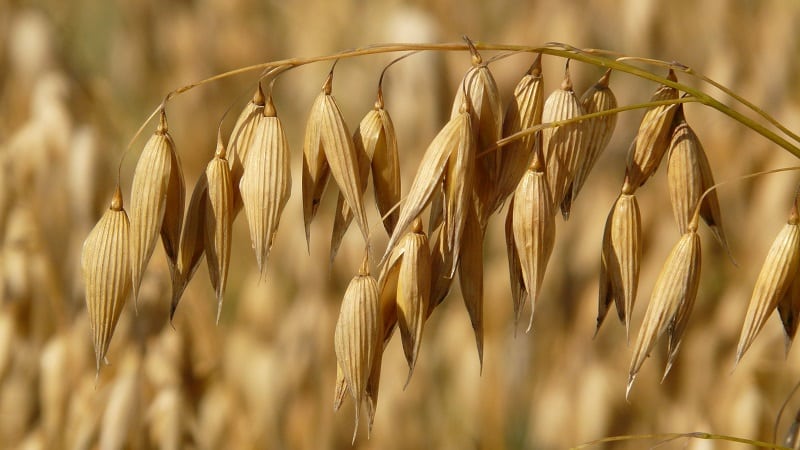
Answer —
(77, 79)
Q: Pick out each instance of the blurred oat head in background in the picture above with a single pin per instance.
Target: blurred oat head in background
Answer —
(76, 80)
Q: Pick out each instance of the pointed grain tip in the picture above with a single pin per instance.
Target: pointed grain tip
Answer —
(631, 379)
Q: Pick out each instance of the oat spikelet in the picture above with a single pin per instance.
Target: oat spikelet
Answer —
(380, 143)
(459, 185)
(316, 170)
(689, 175)
(328, 149)
(774, 281)
(479, 89)
(266, 183)
(455, 138)
(173, 210)
(155, 188)
(653, 137)
(218, 222)
(368, 130)
(241, 139)
(675, 286)
(524, 111)
(413, 292)
(470, 277)
(244, 132)
(620, 259)
(534, 229)
(105, 267)
(357, 335)
(563, 146)
(598, 130)
(192, 247)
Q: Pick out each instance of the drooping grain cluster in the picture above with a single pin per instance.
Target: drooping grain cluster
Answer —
(536, 158)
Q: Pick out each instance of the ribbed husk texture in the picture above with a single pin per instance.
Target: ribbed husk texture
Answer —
(564, 146)
(105, 267)
(652, 139)
(774, 282)
(266, 183)
(357, 336)
(671, 302)
(218, 223)
(689, 176)
(157, 202)
(620, 259)
(534, 231)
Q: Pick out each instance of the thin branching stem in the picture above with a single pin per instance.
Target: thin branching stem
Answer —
(673, 436)
(591, 56)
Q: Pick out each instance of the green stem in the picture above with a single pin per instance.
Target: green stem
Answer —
(531, 130)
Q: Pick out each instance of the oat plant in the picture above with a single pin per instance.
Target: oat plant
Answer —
(531, 153)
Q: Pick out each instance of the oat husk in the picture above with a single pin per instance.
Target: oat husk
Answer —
(518, 292)
(534, 229)
(523, 112)
(441, 279)
(157, 196)
(329, 149)
(241, 140)
(381, 143)
(470, 277)
(448, 150)
(266, 183)
(789, 312)
(774, 281)
(479, 89)
(673, 294)
(620, 259)
(218, 222)
(413, 292)
(564, 146)
(192, 247)
(652, 139)
(357, 335)
(689, 175)
(105, 267)
(598, 131)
